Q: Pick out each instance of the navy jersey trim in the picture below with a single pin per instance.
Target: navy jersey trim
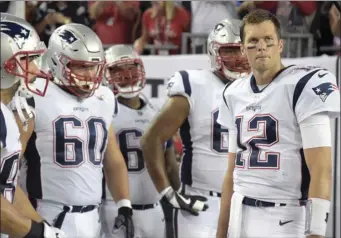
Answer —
(305, 174)
(169, 143)
(185, 81)
(253, 83)
(226, 86)
(187, 155)
(3, 130)
(300, 86)
(33, 178)
(104, 184)
(31, 102)
(116, 108)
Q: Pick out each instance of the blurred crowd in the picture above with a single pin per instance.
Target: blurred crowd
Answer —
(162, 23)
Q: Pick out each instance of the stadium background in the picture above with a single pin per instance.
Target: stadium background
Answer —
(175, 39)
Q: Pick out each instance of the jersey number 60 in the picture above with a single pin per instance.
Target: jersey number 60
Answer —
(74, 146)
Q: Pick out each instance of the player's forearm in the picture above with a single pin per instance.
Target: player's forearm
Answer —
(116, 174)
(173, 175)
(172, 167)
(224, 215)
(320, 169)
(12, 221)
(22, 204)
(153, 154)
(320, 184)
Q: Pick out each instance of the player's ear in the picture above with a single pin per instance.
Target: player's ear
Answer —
(280, 45)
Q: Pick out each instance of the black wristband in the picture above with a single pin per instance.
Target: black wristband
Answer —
(36, 231)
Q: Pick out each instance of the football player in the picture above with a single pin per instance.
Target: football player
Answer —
(278, 182)
(193, 107)
(125, 74)
(21, 49)
(73, 139)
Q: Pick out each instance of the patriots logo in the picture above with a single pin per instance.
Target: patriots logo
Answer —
(67, 36)
(16, 31)
(324, 90)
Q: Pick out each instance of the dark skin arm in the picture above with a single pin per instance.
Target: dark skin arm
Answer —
(172, 167)
(164, 126)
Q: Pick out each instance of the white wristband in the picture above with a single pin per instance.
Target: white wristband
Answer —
(165, 191)
(123, 203)
(317, 212)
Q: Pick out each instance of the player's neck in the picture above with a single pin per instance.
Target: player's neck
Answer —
(265, 77)
(134, 103)
(7, 95)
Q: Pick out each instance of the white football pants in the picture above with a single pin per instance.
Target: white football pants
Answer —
(275, 222)
(75, 225)
(148, 223)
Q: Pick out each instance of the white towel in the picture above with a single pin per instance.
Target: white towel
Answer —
(235, 223)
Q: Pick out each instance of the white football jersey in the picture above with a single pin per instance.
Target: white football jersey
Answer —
(270, 163)
(10, 152)
(205, 142)
(65, 153)
(130, 124)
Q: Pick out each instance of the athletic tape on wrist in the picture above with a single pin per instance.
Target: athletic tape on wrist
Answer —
(123, 203)
(317, 212)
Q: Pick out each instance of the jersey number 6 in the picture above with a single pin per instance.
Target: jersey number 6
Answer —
(74, 145)
(267, 138)
(218, 133)
(129, 140)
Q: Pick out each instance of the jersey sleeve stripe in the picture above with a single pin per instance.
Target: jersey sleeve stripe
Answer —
(33, 178)
(187, 154)
(185, 80)
(226, 86)
(3, 128)
(116, 108)
(31, 102)
(300, 86)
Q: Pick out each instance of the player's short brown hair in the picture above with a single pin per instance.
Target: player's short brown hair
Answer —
(259, 16)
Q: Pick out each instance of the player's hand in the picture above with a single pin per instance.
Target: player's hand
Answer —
(124, 221)
(190, 203)
(52, 232)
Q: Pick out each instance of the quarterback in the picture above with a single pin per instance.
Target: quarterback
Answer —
(73, 139)
(126, 76)
(192, 107)
(20, 54)
(278, 182)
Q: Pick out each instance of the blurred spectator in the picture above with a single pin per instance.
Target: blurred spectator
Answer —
(295, 16)
(50, 15)
(335, 21)
(163, 24)
(205, 15)
(116, 22)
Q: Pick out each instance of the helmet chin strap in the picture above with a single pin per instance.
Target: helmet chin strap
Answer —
(129, 92)
(233, 75)
(19, 104)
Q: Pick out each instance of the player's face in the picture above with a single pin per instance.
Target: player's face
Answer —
(125, 75)
(261, 46)
(83, 73)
